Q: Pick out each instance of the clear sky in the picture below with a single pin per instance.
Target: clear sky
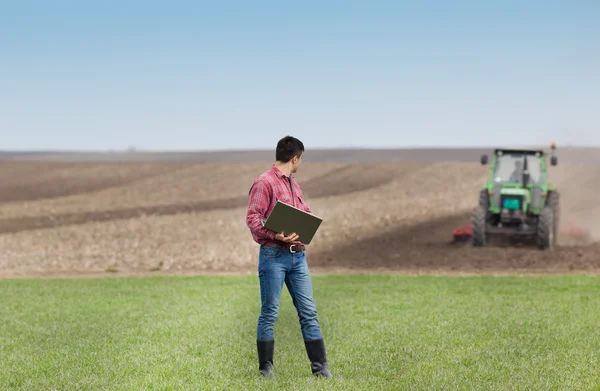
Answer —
(339, 73)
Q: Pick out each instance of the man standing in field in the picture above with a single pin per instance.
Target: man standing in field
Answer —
(282, 260)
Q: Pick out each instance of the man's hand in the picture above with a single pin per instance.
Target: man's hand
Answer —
(291, 238)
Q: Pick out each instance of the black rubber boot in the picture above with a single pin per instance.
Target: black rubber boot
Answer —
(318, 358)
(265, 357)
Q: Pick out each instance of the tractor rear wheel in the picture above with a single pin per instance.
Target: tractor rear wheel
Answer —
(478, 226)
(546, 229)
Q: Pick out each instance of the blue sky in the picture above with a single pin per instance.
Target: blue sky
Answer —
(229, 74)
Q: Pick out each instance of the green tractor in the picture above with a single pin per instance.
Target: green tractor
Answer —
(518, 199)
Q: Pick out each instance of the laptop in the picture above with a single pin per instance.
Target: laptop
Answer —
(287, 218)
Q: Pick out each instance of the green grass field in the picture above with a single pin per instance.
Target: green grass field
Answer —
(382, 333)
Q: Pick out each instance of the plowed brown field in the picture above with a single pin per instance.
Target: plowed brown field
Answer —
(73, 218)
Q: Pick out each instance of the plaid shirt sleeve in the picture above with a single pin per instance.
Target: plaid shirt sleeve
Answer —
(258, 205)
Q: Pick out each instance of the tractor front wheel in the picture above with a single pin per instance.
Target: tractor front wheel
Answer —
(478, 226)
(546, 228)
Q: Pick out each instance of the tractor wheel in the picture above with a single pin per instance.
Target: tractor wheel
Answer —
(484, 199)
(484, 202)
(554, 203)
(478, 226)
(546, 229)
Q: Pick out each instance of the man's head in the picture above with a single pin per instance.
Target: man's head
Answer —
(289, 151)
(518, 164)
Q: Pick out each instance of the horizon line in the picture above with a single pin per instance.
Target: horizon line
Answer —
(134, 150)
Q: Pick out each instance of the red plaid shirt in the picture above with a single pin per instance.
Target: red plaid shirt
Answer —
(269, 187)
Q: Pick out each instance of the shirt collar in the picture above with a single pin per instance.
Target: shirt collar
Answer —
(280, 173)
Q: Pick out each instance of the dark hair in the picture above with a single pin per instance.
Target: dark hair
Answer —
(287, 148)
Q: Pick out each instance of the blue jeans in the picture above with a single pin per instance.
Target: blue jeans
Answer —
(276, 267)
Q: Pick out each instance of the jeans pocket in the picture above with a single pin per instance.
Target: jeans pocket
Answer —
(270, 252)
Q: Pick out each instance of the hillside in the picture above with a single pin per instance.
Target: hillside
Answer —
(188, 215)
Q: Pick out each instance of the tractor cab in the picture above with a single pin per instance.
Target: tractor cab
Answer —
(518, 167)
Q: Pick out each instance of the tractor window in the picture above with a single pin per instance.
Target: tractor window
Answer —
(534, 166)
(509, 169)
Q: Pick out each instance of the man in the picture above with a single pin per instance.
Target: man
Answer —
(282, 260)
(517, 174)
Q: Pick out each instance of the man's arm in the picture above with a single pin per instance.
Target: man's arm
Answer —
(258, 204)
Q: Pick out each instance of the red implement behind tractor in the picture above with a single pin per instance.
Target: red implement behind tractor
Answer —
(462, 234)
(570, 234)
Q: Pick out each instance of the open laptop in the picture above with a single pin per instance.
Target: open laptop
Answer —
(287, 218)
